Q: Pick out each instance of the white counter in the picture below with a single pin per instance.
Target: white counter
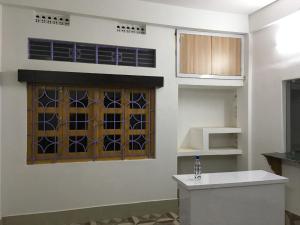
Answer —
(234, 198)
(229, 179)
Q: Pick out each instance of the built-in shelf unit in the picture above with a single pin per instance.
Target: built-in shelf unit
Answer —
(212, 101)
(212, 141)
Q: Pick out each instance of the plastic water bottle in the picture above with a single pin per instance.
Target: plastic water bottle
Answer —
(197, 168)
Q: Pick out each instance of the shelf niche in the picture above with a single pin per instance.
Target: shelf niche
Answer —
(208, 122)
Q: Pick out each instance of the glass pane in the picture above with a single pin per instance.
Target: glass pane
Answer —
(138, 100)
(79, 121)
(112, 99)
(47, 145)
(112, 121)
(137, 121)
(47, 121)
(78, 98)
(48, 97)
(137, 142)
(112, 143)
(78, 144)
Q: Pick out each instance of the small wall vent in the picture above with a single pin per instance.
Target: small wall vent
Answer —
(131, 28)
(48, 18)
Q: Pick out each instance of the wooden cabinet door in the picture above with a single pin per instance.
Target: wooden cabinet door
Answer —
(195, 54)
(226, 56)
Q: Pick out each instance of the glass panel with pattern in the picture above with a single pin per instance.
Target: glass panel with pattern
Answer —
(137, 122)
(138, 100)
(47, 145)
(112, 121)
(48, 121)
(48, 97)
(112, 142)
(79, 121)
(78, 98)
(137, 142)
(112, 99)
(78, 144)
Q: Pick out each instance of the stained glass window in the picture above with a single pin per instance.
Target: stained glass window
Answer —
(68, 123)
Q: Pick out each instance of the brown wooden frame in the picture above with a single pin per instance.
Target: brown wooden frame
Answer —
(95, 132)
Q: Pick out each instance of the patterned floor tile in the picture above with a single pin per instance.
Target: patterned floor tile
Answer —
(169, 218)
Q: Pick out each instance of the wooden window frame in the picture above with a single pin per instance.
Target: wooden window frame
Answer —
(95, 132)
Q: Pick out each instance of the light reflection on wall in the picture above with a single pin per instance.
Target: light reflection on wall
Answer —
(288, 35)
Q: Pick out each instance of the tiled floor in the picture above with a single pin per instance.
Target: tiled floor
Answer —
(153, 219)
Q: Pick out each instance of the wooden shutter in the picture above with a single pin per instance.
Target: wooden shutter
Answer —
(195, 54)
(226, 56)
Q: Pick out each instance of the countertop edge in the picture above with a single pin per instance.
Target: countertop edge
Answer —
(279, 180)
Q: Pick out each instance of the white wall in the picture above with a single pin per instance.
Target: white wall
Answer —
(43, 188)
(270, 68)
(62, 186)
(147, 12)
(210, 164)
(273, 12)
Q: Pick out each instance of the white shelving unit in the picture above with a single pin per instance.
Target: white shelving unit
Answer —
(210, 81)
(200, 142)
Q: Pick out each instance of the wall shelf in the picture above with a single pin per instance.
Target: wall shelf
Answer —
(212, 152)
(210, 80)
(201, 137)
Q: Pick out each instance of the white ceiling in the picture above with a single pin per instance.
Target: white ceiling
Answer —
(231, 6)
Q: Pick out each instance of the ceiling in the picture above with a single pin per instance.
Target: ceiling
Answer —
(231, 6)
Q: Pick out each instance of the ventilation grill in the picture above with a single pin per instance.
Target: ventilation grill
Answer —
(40, 49)
(63, 51)
(91, 53)
(131, 28)
(146, 58)
(46, 18)
(107, 55)
(85, 53)
(127, 56)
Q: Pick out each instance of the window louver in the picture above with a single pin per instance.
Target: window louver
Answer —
(91, 53)
(85, 53)
(40, 49)
(63, 51)
(146, 58)
(107, 55)
(127, 56)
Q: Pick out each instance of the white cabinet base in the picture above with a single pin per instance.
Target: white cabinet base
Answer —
(240, 198)
(253, 205)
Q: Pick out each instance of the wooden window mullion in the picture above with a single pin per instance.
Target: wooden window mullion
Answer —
(65, 119)
(152, 124)
(96, 124)
(30, 124)
(60, 111)
(126, 94)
